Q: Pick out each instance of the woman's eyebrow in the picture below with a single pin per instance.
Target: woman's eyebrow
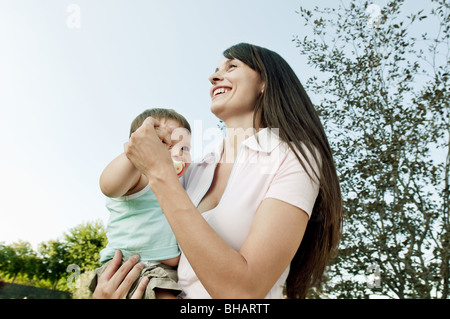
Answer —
(225, 64)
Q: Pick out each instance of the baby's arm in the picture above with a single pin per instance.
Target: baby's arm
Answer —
(121, 178)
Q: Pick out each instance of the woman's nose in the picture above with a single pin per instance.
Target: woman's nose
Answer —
(216, 76)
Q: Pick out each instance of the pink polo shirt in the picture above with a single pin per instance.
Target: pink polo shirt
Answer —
(265, 170)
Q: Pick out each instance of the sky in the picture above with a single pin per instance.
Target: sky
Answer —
(74, 74)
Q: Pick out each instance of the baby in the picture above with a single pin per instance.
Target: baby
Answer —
(137, 224)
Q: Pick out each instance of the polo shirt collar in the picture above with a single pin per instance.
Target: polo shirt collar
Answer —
(214, 155)
(268, 139)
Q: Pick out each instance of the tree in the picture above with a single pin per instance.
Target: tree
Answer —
(17, 258)
(84, 243)
(384, 102)
(79, 247)
(54, 255)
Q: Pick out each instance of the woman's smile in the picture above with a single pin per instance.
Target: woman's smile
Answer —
(220, 90)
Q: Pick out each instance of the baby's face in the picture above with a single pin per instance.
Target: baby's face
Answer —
(181, 142)
(180, 150)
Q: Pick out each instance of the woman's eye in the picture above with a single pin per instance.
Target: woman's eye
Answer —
(185, 148)
(233, 66)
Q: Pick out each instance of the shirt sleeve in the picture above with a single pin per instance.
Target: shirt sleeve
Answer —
(292, 184)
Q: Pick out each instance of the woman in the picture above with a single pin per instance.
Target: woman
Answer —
(245, 230)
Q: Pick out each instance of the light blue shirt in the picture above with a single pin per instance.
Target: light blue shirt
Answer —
(137, 225)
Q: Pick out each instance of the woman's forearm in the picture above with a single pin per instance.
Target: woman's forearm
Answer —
(221, 269)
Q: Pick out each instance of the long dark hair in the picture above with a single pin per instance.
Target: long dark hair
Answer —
(285, 105)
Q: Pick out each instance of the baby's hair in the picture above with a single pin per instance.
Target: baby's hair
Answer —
(159, 113)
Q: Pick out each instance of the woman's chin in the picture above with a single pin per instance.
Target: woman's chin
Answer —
(218, 110)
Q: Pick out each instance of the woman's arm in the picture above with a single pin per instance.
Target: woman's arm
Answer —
(121, 178)
(251, 272)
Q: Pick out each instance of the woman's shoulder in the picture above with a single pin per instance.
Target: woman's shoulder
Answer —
(308, 159)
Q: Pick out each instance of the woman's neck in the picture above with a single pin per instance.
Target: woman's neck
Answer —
(236, 133)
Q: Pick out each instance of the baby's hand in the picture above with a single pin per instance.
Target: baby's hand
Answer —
(179, 167)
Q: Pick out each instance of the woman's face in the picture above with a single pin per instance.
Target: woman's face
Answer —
(235, 89)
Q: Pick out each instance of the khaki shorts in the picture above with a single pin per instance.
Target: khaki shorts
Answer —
(159, 275)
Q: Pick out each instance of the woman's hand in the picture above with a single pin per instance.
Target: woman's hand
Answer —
(147, 147)
(116, 280)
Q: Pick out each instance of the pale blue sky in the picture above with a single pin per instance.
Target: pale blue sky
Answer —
(68, 95)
